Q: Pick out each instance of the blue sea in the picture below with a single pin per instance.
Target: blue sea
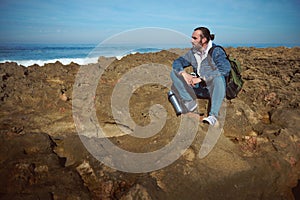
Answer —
(29, 54)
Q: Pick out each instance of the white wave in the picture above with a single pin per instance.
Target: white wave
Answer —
(120, 57)
(82, 61)
(64, 61)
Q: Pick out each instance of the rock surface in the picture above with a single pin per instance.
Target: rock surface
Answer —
(257, 156)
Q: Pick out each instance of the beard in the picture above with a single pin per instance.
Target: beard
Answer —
(197, 47)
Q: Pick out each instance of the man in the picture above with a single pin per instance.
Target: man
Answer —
(207, 81)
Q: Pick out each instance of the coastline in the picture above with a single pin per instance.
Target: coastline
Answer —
(94, 59)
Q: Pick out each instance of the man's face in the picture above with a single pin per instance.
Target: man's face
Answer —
(196, 40)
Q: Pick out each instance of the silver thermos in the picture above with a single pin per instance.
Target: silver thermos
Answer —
(175, 103)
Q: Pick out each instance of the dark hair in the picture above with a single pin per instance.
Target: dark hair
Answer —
(205, 33)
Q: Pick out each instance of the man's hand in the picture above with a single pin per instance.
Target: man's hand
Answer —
(195, 80)
(190, 79)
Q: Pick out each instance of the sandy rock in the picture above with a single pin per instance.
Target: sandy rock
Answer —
(42, 157)
(137, 192)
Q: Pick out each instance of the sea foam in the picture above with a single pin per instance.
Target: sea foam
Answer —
(64, 61)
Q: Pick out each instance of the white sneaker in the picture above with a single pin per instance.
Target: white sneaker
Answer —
(212, 120)
(191, 105)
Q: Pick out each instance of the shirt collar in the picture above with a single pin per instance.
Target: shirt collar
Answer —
(209, 45)
(205, 52)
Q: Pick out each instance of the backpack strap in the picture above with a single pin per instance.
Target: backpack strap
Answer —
(210, 52)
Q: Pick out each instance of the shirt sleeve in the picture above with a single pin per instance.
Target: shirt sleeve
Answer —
(221, 61)
(182, 62)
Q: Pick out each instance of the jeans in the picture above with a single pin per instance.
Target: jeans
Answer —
(214, 90)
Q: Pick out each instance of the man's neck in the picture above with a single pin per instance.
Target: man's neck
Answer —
(204, 47)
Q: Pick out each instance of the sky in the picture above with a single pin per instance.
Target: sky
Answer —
(92, 21)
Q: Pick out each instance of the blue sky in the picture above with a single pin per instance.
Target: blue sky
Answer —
(91, 21)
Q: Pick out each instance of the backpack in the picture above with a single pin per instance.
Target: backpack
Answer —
(234, 81)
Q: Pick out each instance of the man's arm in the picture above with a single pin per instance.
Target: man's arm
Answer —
(182, 62)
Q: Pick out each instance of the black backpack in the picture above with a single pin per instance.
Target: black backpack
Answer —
(234, 81)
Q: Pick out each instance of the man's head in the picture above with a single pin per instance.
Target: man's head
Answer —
(200, 37)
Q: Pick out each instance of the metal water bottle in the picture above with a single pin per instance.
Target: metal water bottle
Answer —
(175, 103)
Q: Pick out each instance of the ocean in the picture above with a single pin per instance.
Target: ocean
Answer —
(29, 54)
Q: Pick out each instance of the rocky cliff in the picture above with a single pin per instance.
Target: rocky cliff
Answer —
(256, 157)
